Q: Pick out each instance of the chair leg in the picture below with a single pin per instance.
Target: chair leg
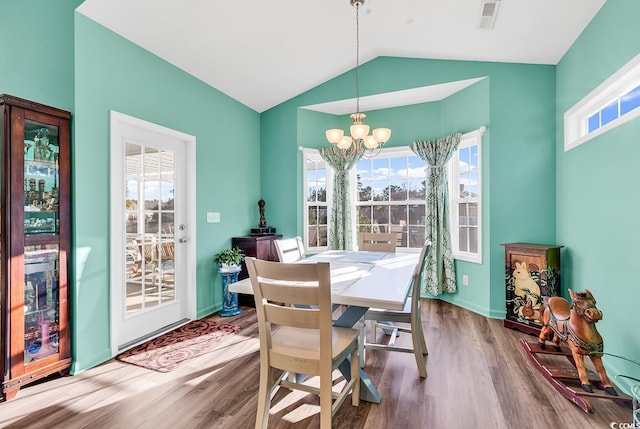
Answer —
(361, 341)
(264, 397)
(355, 373)
(373, 331)
(419, 345)
(423, 343)
(418, 353)
(418, 327)
(326, 400)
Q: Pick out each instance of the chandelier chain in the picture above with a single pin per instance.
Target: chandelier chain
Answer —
(357, 3)
(360, 142)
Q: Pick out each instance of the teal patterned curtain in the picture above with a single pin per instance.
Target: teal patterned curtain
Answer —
(439, 273)
(340, 227)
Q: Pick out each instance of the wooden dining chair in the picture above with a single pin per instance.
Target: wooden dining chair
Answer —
(373, 242)
(410, 314)
(377, 241)
(289, 249)
(300, 340)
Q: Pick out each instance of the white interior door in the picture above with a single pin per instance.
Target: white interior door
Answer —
(152, 239)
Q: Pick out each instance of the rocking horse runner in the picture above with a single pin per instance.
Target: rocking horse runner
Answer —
(575, 325)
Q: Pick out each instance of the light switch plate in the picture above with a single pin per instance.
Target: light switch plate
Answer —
(213, 217)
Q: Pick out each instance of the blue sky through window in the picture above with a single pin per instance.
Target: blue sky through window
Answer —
(630, 101)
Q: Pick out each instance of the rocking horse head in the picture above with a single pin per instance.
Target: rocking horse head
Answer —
(574, 324)
(584, 305)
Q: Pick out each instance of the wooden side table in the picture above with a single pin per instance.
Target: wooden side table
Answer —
(532, 272)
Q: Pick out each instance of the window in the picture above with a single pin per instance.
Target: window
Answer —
(464, 193)
(391, 190)
(317, 186)
(614, 102)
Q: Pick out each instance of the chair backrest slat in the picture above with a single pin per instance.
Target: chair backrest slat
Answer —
(301, 294)
(290, 249)
(377, 242)
(307, 318)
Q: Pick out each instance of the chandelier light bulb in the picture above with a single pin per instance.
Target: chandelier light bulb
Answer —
(382, 135)
(334, 135)
(370, 142)
(359, 131)
(345, 142)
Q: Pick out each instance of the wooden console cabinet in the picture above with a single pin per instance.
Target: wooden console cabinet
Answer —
(34, 242)
(532, 272)
(260, 247)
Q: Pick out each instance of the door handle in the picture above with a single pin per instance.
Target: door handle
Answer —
(183, 240)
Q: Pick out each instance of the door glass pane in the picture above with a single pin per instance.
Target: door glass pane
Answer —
(150, 226)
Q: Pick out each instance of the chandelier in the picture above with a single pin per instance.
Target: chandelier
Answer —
(359, 141)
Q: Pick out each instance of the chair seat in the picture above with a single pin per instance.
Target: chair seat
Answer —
(381, 314)
(305, 343)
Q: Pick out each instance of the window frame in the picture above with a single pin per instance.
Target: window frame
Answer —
(576, 119)
(314, 155)
(473, 138)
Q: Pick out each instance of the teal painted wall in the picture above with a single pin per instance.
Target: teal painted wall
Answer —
(516, 103)
(465, 111)
(114, 74)
(36, 52)
(596, 183)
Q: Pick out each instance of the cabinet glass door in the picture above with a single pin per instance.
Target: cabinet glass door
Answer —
(42, 242)
(41, 179)
(41, 306)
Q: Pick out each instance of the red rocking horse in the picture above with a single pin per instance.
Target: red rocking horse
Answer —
(574, 324)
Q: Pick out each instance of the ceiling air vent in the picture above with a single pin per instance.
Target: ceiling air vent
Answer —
(489, 11)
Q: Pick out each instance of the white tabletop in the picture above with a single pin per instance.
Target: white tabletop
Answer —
(363, 279)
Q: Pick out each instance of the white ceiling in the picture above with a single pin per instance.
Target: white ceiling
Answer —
(262, 53)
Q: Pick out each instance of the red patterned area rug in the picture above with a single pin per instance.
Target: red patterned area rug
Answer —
(169, 350)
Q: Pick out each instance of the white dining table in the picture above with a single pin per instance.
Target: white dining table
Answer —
(359, 281)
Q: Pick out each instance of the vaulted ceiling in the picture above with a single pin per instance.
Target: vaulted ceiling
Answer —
(262, 53)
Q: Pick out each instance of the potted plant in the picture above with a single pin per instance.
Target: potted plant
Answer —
(229, 259)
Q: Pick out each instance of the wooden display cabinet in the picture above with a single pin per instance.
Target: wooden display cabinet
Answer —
(532, 272)
(34, 242)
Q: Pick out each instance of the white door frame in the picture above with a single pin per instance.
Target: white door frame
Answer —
(118, 122)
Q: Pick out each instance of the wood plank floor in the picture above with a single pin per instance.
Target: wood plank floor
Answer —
(479, 377)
